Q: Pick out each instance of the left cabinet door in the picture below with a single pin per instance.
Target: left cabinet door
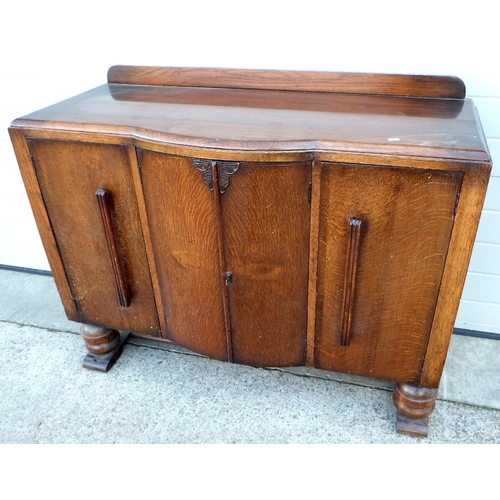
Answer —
(183, 218)
(89, 196)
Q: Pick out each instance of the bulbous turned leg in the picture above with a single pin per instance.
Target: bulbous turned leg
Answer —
(104, 345)
(414, 405)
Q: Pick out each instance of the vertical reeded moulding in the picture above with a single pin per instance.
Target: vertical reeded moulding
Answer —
(353, 243)
(106, 209)
(105, 344)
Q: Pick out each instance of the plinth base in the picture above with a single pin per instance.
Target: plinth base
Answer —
(104, 362)
(418, 427)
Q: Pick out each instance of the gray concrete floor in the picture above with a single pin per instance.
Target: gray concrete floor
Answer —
(160, 394)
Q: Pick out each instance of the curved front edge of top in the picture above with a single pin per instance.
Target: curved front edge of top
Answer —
(279, 151)
(256, 122)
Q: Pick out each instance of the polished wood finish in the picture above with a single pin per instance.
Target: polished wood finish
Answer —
(226, 277)
(265, 220)
(42, 220)
(414, 405)
(309, 81)
(407, 221)
(104, 345)
(136, 179)
(182, 217)
(467, 214)
(69, 174)
(353, 241)
(100, 340)
(105, 203)
(262, 124)
(313, 261)
(263, 217)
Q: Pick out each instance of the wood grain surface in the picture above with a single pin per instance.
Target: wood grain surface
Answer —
(105, 202)
(311, 81)
(265, 220)
(244, 121)
(69, 175)
(42, 220)
(271, 218)
(246, 183)
(468, 212)
(182, 216)
(407, 221)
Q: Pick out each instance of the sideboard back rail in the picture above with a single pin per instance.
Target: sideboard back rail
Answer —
(441, 87)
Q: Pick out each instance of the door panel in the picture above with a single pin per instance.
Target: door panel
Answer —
(384, 234)
(99, 236)
(265, 220)
(183, 223)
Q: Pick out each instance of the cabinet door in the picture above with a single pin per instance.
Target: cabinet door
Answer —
(231, 244)
(183, 222)
(265, 220)
(89, 196)
(384, 235)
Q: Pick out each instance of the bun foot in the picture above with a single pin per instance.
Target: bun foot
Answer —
(414, 405)
(104, 345)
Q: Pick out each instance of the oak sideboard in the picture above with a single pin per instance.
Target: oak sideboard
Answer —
(269, 218)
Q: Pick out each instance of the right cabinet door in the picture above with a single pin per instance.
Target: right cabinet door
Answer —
(265, 220)
(383, 240)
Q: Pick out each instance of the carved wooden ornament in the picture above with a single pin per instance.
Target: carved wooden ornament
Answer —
(225, 170)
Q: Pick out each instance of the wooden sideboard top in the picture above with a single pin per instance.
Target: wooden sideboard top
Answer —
(238, 110)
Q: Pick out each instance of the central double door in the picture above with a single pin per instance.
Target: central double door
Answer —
(231, 247)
